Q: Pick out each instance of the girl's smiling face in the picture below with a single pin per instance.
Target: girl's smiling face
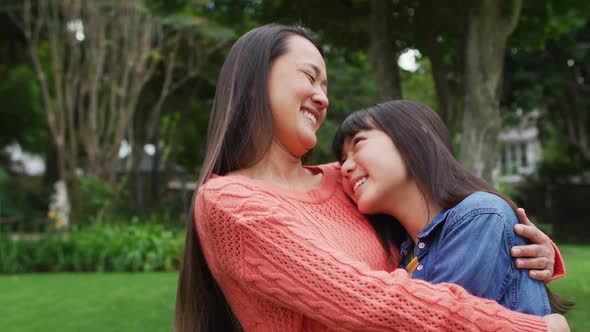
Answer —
(373, 170)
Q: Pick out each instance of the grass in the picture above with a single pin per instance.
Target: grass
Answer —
(576, 286)
(145, 301)
(87, 302)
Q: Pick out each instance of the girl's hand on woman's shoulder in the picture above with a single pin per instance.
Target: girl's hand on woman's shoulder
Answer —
(539, 256)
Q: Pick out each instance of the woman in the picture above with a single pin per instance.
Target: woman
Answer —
(280, 246)
(396, 159)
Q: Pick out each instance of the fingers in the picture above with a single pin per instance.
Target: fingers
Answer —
(538, 257)
(534, 258)
(530, 250)
(541, 275)
(522, 217)
(539, 263)
(531, 233)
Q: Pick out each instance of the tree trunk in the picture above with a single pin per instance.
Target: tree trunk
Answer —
(136, 156)
(382, 51)
(51, 174)
(490, 25)
(156, 173)
(446, 77)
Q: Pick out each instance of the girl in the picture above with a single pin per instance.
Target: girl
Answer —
(396, 159)
(278, 245)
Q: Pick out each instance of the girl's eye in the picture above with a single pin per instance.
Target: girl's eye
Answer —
(311, 78)
(357, 140)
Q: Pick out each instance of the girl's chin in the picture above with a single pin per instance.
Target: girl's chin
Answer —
(365, 207)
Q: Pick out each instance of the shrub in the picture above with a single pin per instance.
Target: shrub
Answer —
(23, 197)
(98, 248)
(99, 199)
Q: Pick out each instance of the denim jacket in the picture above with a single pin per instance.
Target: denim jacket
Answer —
(469, 245)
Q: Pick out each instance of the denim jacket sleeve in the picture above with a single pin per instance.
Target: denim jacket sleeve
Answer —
(473, 251)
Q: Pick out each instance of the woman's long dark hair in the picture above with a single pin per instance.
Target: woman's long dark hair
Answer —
(425, 145)
(239, 134)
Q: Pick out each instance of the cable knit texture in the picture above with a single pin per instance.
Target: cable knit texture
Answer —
(309, 261)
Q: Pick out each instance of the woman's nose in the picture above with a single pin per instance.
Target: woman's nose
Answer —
(321, 99)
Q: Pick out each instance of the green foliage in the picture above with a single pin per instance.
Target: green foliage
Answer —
(419, 85)
(134, 247)
(351, 87)
(507, 189)
(560, 159)
(322, 153)
(554, 78)
(24, 198)
(191, 133)
(22, 119)
(100, 199)
(188, 16)
(543, 20)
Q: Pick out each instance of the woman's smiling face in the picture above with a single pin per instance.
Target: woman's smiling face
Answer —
(298, 95)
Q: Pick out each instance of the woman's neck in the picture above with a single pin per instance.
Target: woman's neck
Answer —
(280, 167)
(413, 210)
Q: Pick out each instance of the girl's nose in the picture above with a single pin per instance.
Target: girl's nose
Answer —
(347, 167)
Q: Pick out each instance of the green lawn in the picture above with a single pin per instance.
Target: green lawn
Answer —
(576, 285)
(144, 302)
(87, 302)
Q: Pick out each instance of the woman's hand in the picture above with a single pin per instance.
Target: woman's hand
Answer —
(539, 256)
(556, 323)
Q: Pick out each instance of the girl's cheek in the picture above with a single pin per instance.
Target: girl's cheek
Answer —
(347, 188)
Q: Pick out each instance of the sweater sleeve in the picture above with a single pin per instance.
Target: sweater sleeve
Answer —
(558, 266)
(275, 257)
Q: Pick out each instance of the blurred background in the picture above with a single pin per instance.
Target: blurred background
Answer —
(104, 106)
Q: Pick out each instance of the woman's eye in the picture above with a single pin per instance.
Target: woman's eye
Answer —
(311, 78)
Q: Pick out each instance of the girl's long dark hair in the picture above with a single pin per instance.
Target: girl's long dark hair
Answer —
(425, 145)
(239, 133)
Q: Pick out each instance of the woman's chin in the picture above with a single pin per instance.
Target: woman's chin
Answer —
(309, 143)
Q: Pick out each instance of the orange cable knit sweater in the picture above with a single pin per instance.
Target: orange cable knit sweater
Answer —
(309, 261)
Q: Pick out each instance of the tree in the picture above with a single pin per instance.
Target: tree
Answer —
(491, 22)
(185, 78)
(92, 60)
(383, 51)
(372, 26)
(22, 119)
(553, 74)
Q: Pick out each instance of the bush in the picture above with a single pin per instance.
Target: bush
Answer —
(97, 248)
(23, 197)
(100, 199)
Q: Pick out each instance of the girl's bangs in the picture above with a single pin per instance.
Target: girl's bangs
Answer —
(357, 121)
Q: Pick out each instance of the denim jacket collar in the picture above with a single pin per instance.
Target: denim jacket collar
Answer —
(433, 224)
(426, 232)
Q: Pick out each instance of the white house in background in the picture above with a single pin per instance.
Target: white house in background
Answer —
(519, 150)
